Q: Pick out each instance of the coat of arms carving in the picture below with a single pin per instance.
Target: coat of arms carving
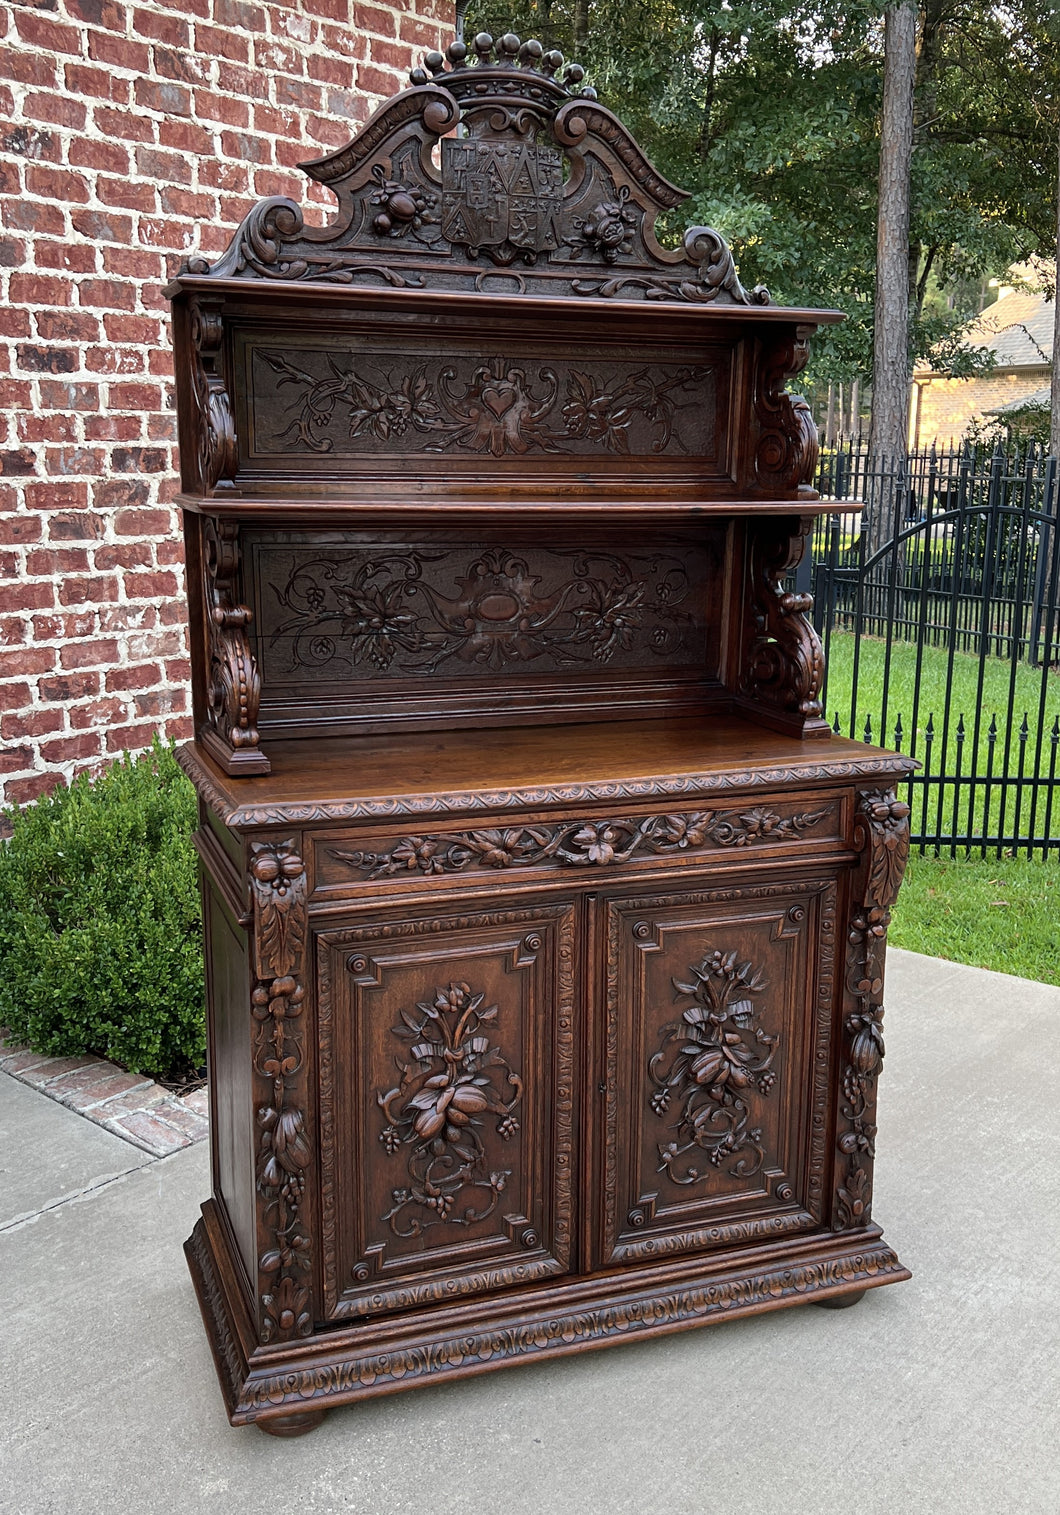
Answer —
(497, 193)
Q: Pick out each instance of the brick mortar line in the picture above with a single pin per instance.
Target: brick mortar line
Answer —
(204, 115)
(142, 1099)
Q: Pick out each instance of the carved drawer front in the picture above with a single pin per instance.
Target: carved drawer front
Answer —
(719, 1011)
(584, 846)
(446, 1106)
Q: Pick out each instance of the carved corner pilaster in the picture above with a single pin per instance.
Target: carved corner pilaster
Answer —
(786, 451)
(783, 662)
(284, 1146)
(215, 454)
(233, 696)
(882, 836)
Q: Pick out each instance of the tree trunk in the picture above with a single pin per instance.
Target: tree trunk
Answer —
(581, 23)
(706, 124)
(891, 371)
(1054, 426)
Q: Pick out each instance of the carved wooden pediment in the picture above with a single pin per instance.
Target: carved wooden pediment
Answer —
(497, 170)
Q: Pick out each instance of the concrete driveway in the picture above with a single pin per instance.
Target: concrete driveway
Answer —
(935, 1396)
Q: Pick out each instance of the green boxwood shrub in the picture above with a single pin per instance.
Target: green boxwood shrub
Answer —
(100, 932)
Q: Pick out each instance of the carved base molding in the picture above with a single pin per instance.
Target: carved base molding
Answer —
(340, 1368)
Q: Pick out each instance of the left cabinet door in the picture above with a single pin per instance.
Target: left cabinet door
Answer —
(446, 1104)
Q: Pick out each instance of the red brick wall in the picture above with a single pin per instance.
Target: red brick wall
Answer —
(131, 134)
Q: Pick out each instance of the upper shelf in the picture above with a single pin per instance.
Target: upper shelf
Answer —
(490, 317)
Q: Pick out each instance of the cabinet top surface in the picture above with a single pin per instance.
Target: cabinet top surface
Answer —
(517, 768)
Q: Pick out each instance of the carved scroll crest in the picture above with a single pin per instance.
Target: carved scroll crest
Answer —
(882, 833)
(280, 923)
(541, 176)
(234, 689)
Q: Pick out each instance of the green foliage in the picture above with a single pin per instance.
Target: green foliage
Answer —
(1029, 422)
(950, 352)
(100, 938)
(992, 913)
(768, 114)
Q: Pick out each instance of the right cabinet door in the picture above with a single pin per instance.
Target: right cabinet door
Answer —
(717, 1051)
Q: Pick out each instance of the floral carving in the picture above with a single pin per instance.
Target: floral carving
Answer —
(712, 1063)
(883, 828)
(783, 661)
(580, 843)
(453, 1077)
(497, 407)
(610, 227)
(278, 887)
(234, 690)
(386, 611)
(400, 207)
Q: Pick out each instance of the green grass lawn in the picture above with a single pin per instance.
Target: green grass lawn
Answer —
(1002, 915)
(900, 687)
(949, 805)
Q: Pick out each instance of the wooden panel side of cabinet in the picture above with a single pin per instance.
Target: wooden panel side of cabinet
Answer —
(446, 1105)
(231, 1093)
(720, 1009)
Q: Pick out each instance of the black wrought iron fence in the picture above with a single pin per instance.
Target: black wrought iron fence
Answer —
(936, 584)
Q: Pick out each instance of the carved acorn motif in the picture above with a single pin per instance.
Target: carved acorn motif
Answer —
(399, 206)
(610, 225)
(866, 1050)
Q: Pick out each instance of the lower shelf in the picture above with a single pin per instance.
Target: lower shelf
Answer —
(293, 1384)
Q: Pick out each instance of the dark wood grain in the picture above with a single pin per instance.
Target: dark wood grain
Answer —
(545, 917)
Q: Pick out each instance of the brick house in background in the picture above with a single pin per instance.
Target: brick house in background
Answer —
(1018, 331)
(133, 133)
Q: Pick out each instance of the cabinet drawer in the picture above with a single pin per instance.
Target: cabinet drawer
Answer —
(446, 1105)
(348, 862)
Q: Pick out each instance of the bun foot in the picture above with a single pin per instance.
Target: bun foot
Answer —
(841, 1301)
(292, 1425)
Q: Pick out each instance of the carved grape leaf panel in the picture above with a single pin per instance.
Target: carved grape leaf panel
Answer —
(381, 612)
(446, 1104)
(710, 1117)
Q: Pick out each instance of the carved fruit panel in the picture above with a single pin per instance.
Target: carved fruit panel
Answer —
(586, 843)
(309, 404)
(710, 1121)
(377, 610)
(446, 1106)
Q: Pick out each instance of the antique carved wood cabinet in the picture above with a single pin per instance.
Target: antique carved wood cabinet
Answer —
(545, 916)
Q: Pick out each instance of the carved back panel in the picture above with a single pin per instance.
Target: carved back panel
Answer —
(357, 629)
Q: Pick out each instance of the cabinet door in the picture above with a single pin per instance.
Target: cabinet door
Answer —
(446, 1105)
(718, 1023)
